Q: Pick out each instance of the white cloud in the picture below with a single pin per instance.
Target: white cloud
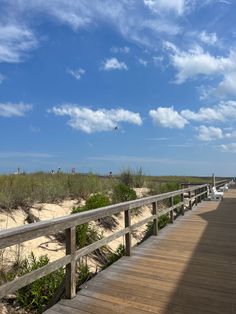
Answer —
(127, 16)
(89, 121)
(124, 49)
(227, 86)
(15, 42)
(113, 64)
(160, 6)
(168, 118)
(76, 73)
(225, 110)
(196, 61)
(209, 133)
(208, 38)
(228, 148)
(14, 110)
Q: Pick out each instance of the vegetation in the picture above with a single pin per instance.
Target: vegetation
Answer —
(24, 190)
(114, 256)
(98, 191)
(123, 193)
(36, 295)
(132, 178)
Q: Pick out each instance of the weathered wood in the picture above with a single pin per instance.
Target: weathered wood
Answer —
(20, 282)
(171, 211)
(71, 267)
(188, 268)
(155, 221)
(190, 200)
(27, 232)
(17, 235)
(128, 239)
(182, 207)
(92, 247)
(143, 222)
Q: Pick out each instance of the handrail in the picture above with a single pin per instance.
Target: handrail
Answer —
(68, 223)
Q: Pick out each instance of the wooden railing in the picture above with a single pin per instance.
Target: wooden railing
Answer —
(68, 223)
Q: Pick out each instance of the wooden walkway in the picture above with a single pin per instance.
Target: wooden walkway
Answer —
(189, 268)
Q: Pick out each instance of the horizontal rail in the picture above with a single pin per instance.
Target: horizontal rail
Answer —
(26, 279)
(27, 232)
(24, 233)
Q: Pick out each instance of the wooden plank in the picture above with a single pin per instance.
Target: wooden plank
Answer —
(189, 268)
(20, 282)
(70, 280)
(68, 309)
(17, 235)
(155, 221)
(128, 240)
(90, 248)
(97, 306)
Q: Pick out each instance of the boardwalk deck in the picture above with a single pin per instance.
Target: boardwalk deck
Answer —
(189, 268)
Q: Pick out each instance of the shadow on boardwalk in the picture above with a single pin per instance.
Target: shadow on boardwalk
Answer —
(208, 282)
(190, 268)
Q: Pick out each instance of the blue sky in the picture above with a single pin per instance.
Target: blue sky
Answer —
(104, 85)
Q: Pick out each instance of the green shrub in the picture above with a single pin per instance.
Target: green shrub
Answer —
(114, 256)
(36, 295)
(96, 201)
(85, 233)
(123, 193)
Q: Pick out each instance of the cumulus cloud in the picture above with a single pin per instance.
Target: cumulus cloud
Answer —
(15, 42)
(113, 64)
(196, 61)
(225, 110)
(228, 148)
(89, 121)
(76, 73)
(9, 110)
(167, 118)
(209, 133)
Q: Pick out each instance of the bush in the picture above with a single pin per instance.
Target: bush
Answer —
(162, 222)
(123, 193)
(36, 295)
(96, 201)
(114, 256)
(85, 233)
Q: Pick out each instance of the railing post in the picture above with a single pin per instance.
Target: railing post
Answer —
(190, 201)
(200, 197)
(128, 235)
(155, 220)
(196, 198)
(71, 268)
(182, 206)
(172, 211)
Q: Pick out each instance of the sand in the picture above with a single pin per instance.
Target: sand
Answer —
(49, 244)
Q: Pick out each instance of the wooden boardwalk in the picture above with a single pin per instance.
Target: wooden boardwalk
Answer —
(189, 268)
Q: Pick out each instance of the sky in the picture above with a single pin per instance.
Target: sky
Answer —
(107, 85)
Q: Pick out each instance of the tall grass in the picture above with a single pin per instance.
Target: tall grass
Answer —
(24, 190)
